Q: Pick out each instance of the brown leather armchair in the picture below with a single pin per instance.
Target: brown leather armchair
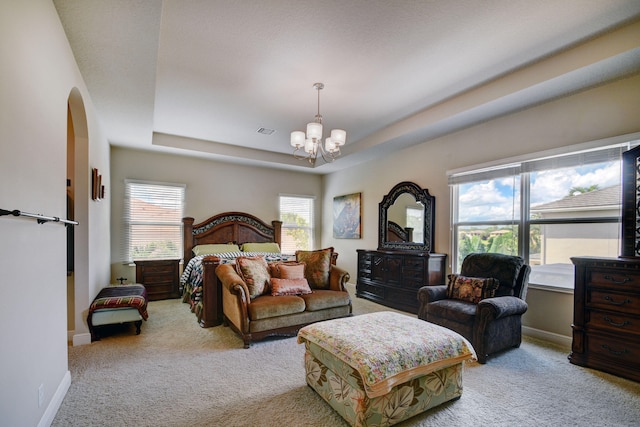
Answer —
(493, 324)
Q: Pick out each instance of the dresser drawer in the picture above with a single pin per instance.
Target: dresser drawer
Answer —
(615, 279)
(412, 278)
(614, 322)
(368, 288)
(414, 263)
(613, 301)
(627, 351)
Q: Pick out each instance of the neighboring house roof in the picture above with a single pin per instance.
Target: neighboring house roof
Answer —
(604, 197)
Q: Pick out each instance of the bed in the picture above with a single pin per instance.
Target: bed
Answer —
(224, 236)
(397, 233)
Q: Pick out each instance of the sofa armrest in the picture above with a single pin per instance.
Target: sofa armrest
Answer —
(235, 297)
(500, 307)
(427, 294)
(338, 278)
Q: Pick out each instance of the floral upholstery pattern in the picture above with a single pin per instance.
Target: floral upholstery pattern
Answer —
(382, 368)
(318, 265)
(387, 348)
(472, 289)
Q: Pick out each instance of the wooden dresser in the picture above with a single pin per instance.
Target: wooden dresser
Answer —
(160, 277)
(606, 319)
(392, 278)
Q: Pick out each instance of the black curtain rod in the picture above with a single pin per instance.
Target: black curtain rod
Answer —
(40, 218)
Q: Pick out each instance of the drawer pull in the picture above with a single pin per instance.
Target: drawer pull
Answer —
(619, 325)
(612, 351)
(617, 282)
(611, 301)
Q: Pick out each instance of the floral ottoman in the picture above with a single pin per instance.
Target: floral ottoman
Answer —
(382, 368)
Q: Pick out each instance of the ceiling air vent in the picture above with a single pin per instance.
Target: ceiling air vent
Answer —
(266, 131)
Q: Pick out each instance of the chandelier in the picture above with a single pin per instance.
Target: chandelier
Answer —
(311, 142)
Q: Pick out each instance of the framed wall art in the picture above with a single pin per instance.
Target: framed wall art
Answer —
(347, 216)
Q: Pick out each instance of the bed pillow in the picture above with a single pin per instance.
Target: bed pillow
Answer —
(255, 273)
(472, 289)
(318, 265)
(281, 287)
(212, 249)
(270, 247)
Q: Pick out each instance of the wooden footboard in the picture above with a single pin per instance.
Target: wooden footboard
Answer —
(211, 294)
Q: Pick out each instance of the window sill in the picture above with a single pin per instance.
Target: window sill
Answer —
(550, 288)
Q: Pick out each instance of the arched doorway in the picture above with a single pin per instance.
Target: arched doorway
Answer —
(78, 200)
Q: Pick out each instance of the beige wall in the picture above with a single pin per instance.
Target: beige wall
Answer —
(39, 74)
(602, 112)
(212, 188)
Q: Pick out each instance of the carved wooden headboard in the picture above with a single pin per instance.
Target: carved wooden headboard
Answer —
(228, 227)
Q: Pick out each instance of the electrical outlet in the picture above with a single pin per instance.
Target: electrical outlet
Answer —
(40, 395)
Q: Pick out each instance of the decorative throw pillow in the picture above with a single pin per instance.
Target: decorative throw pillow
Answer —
(287, 269)
(255, 273)
(472, 289)
(318, 264)
(289, 287)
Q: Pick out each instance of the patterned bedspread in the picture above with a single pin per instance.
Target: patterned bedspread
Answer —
(193, 273)
(388, 348)
(119, 296)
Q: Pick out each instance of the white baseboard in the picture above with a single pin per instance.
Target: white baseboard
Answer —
(562, 340)
(70, 335)
(56, 401)
(81, 339)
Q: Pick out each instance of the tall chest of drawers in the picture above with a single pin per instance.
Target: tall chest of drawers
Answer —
(392, 278)
(606, 319)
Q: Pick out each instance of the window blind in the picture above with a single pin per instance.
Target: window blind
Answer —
(296, 214)
(153, 220)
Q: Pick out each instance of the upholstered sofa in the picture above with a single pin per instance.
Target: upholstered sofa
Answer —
(278, 301)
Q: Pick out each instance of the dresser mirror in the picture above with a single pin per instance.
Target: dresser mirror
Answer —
(406, 219)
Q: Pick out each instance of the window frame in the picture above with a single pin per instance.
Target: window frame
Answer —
(310, 229)
(127, 249)
(524, 223)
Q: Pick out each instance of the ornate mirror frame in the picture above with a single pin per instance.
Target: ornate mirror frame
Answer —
(423, 197)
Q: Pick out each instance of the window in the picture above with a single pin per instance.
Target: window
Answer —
(415, 219)
(153, 220)
(296, 214)
(545, 210)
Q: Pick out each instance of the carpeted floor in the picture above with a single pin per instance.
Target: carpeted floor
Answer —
(178, 374)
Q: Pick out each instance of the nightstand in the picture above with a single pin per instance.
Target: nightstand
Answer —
(161, 278)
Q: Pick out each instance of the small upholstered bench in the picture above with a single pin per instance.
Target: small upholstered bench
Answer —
(118, 304)
(382, 368)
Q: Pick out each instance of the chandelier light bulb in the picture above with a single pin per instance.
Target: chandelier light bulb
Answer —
(297, 139)
(339, 137)
(314, 130)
